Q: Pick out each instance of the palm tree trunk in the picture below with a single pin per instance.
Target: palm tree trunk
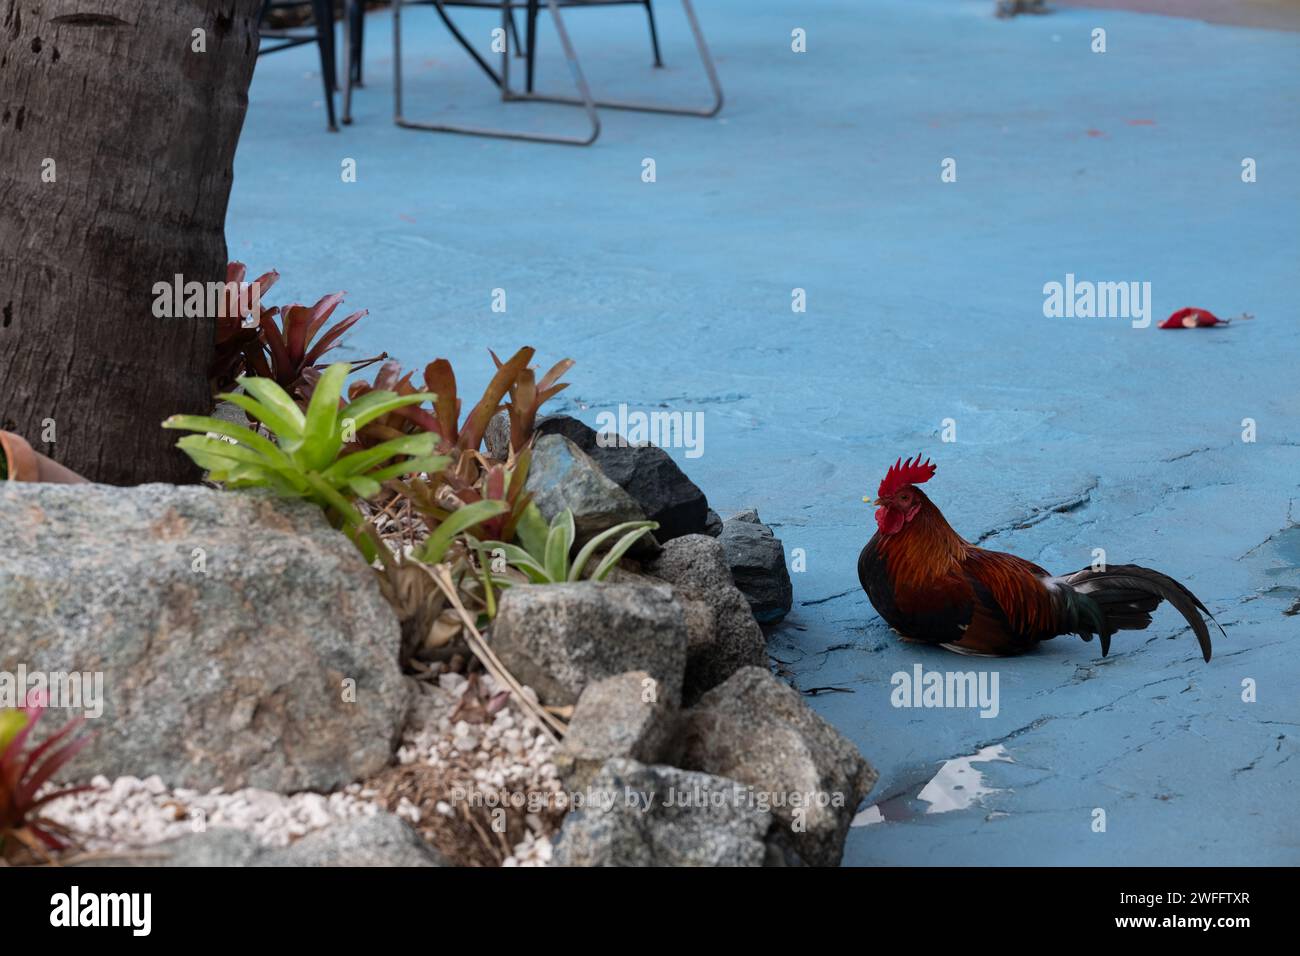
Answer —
(116, 144)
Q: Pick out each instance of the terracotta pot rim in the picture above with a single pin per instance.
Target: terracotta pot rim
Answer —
(24, 463)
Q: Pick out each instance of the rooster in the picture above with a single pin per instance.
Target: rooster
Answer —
(932, 586)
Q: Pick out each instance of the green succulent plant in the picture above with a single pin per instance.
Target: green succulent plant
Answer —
(304, 460)
(435, 547)
(545, 558)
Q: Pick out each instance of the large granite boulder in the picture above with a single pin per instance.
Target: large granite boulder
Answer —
(637, 815)
(646, 472)
(755, 729)
(558, 638)
(241, 641)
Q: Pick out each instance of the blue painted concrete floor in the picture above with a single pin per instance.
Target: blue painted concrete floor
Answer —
(924, 303)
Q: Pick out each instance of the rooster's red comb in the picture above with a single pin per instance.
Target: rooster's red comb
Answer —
(910, 472)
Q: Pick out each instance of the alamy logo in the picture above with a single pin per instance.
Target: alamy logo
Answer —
(180, 299)
(1100, 300)
(665, 429)
(946, 689)
(134, 910)
(59, 690)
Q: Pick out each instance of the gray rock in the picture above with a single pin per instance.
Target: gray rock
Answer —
(614, 718)
(563, 476)
(646, 472)
(217, 846)
(558, 638)
(757, 562)
(724, 636)
(379, 840)
(496, 439)
(759, 731)
(230, 412)
(712, 524)
(225, 625)
(716, 825)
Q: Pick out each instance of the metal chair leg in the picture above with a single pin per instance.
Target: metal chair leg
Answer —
(349, 25)
(323, 15)
(706, 59)
(514, 33)
(532, 43)
(570, 57)
(460, 38)
(358, 45)
(654, 34)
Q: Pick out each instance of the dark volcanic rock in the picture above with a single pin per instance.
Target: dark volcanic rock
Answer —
(757, 561)
(645, 472)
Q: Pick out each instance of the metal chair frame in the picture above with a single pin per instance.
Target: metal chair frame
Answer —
(502, 79)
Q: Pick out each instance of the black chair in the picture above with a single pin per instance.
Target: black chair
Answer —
(321, 32)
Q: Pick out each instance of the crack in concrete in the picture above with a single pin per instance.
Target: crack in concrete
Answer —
(832, 597)
(1040, 514)
(1280, 531)
(1189, 454)
(1275, 748)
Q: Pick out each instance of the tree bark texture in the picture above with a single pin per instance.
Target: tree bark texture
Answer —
(116, 146)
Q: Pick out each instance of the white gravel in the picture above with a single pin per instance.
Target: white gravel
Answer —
(130, 813)
(508, 755)
(511, 756)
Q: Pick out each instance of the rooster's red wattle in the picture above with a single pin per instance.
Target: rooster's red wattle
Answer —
(931, 585)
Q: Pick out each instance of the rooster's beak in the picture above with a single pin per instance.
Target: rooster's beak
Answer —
(877, 502)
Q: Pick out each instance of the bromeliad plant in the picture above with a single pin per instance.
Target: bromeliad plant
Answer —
(513, 378)
(23, 772)
(288, 352)
(305, 460)
(544, 557)
(239, 333)
(527, 396)
(429, 623)
(440, 496)
(471, 477)
(441, 380)
(430, 590)
(291, 350)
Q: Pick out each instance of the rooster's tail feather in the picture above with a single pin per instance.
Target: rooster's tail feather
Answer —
(1121, 598)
